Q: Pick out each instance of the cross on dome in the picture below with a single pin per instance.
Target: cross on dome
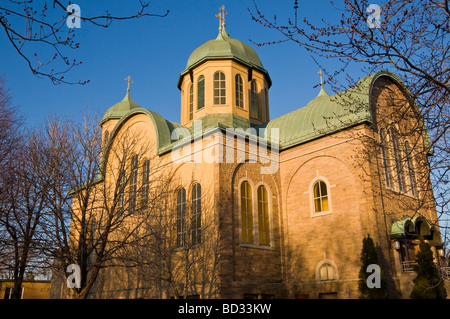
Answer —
(321, 77)
(128, 79)
(221, 17)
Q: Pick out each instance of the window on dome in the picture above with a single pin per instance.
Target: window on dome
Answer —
(200, 92)
(266, 104)
(219, 88)
(239, 91)
(254, 100)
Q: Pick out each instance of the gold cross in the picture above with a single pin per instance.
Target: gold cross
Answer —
(221, 16)
(128, 79)
(321, 77)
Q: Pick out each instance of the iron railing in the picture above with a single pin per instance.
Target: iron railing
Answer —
(407, 266)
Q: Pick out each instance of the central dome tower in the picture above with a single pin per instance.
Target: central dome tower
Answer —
(224, 81)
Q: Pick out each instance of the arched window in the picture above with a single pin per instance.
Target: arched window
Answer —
(254, 100)
(263, 216)
(181, 217)
(196, 217)
(386, 163)
(412, 178)
(219, 88)
(398, 160)
(246, 213)
(320, 190)
(106, 138)
(133, 182)
(266, 104)
(191, 102)
(120, 191)
(200, 92)
(239, 91)
(92, 241)
(327, 272)
(145, 184)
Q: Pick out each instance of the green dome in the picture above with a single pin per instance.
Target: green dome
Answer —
(120, 109)
(224, 47)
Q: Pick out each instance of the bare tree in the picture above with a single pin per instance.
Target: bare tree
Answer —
(10, 127)
(102, 196)
(22, 208)
(412, 41)
(179, 254)
(36, 24)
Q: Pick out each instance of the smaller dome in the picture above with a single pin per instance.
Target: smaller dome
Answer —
(120, 109)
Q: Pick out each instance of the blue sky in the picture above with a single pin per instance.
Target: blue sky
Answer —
(153, 51)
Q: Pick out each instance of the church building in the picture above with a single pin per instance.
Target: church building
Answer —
(282, 205)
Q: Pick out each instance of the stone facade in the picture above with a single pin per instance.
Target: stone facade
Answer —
(328, 192)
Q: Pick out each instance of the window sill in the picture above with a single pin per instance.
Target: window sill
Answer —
(398, 192)
(328, 212)
(248, 245)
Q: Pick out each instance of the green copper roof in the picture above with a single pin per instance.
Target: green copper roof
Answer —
(413, 226)
(321, 116)
(224, 47)
(327, 114)
(120, 109)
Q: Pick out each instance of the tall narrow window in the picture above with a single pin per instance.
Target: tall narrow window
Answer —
(266, 104)
(320, 197)
(9, 292)
(246, 213)
(181, 217)
(239, 91)
(386, 163)
(200, 92)
(398, 160)
(92, 241)
(263, 216)
(106, 138)
(254, 100)
(191, 102)
(196, 217)
(122, 182)
(412, 178)
(145, 184)
(133, 182)
(219, 88)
